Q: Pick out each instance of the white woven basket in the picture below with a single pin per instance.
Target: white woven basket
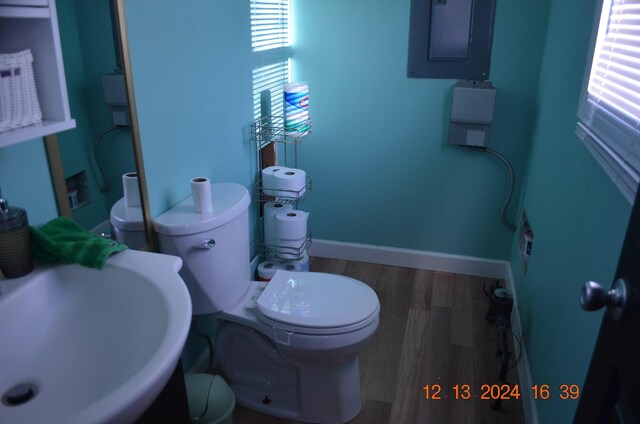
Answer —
(19, 105)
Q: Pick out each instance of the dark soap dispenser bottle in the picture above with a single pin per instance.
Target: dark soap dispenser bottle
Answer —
(15, 247)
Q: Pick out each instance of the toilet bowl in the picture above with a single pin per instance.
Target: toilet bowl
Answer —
(288, 348)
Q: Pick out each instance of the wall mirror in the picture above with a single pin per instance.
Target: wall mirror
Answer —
(89, 162)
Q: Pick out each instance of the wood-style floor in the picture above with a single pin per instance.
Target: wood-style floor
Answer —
(432, 332)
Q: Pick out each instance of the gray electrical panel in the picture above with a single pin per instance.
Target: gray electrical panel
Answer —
(115, 95)
(471, 113)
(451, 39)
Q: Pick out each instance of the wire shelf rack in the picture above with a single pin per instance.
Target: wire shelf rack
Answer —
(270, 129)
(264, 131)
(284, 252)
(293, 197)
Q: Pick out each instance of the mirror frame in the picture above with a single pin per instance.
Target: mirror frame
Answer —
(53, 151)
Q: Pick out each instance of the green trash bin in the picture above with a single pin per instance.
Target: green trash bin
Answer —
(211, 400)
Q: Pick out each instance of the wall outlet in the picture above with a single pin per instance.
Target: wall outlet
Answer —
(78, 190)
(526, 241)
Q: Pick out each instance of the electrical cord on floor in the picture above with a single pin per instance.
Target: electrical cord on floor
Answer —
(96, 155)
(519, 339)
(206, 406)
(212, 362)
(504, 355)
(512, 180)
(519, 356)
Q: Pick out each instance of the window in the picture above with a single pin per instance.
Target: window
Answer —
(271, 44)
(609, 113)
(269, 24)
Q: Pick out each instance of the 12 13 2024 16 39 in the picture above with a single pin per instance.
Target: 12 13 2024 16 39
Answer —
(499, 391)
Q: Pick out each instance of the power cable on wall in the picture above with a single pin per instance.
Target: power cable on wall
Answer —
(96, 155)
(512, 181)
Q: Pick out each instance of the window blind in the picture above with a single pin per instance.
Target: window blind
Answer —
(610, 106)
(269, 24)
(271, 77)
(272, 49)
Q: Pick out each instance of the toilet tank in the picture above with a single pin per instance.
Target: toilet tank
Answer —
(128, 225)
(214, 247)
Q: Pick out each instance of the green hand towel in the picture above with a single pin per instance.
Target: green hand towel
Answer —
(63, 240)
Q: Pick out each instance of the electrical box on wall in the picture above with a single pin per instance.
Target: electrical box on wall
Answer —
(471, 113)
(115, 95)
(451, 39)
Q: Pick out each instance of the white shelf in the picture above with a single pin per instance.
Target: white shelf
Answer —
(25, 3)
(24, 12)
(33, 24)
(7, 138)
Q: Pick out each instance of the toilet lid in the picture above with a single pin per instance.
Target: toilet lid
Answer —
(317, 300)
(229, 201)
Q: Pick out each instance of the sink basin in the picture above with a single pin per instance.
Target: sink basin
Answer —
(92, 346)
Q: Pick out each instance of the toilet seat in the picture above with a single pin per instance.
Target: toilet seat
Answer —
(316, 303)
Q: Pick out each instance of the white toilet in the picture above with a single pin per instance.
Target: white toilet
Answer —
(128, 225)
(288, 348)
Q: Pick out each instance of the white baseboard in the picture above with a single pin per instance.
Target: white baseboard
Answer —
(524, 372)
(435, 261)
(409, 258)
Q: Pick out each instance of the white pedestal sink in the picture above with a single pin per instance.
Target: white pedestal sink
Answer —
(94, 346)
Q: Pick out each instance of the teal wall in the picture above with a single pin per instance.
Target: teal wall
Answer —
(383, 172)
(26, 182)
(192, 79)
(88, 53)
(578, 218)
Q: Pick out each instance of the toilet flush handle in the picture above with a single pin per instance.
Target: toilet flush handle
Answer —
(205, 244)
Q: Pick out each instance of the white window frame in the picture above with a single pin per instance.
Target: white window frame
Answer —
(613, 137)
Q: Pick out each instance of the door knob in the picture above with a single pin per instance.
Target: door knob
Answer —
(594, 297)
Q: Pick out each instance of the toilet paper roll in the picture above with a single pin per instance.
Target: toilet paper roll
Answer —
(302, 264)
(288, 266)
(291, 225)
(271, 209)
(130, 189)
(291, 234)
(290, 182)
(268, 175)
(267, 269)
(201, 191)
(299, 265)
